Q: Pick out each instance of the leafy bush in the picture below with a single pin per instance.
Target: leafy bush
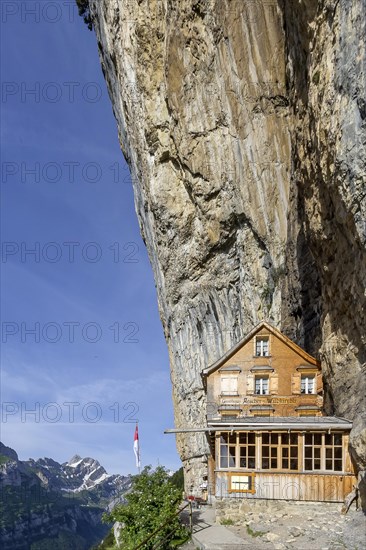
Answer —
(84, 12)
(178, 479)
(253, 533)
(151, 504)
(227, 521)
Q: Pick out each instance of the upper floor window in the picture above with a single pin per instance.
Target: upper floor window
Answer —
(229, 385)
(308, 384)
(261, 385)
(262, 346)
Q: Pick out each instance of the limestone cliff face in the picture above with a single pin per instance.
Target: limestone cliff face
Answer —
(243, 122)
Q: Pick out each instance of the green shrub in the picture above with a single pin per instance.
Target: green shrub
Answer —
(227, 521)
(177, 479)
(151, 504)
(253, 533)
(84, 12)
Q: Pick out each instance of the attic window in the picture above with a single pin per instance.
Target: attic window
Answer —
(262, 346)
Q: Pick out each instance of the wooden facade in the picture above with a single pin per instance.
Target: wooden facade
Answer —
(268, 436)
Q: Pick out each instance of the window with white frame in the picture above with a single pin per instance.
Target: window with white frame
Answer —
(307, 383)
(229, 385)
(323, 452)
(261, 385)
(227, 450)
(280, 451)
(262, 346)
(237, 450)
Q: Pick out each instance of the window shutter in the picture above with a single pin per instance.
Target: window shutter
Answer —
(250, 383)
(273, 384)
(229, 384)
(318, 383)
(296, 383)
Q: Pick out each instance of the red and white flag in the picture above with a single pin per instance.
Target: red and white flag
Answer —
(136, 447)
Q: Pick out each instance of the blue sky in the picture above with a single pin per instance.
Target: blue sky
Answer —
(82, 342)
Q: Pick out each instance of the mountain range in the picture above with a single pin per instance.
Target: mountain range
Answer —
(45, 504)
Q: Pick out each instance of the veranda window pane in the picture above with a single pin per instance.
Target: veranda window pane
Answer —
(232, 457)
(337, 439)
(328, 439)
(338, 465)
(265, 463)
(316, 452)
(232, 438)
(251, 463)
(293, 464)
(308, 464)
(328, 453)
(274, 439)
(223, 438)
(293, 452)
(285, 452)
(285, 463)
(274, 463)
(317, 439)
(293, 439)
(338, 452)
(251, 438)
(265, 439)
(242, 438)
(265, 450)
(317, 464)
(308, 439)
(284, 439)
(328, 465)
(308, 452)
(224, 463)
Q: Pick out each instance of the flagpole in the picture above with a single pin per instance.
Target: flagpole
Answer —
(139, 468)
(136, 448)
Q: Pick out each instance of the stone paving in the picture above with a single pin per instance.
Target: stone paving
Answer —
(281, 526)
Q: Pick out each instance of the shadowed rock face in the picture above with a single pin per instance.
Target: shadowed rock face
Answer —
(243, 122)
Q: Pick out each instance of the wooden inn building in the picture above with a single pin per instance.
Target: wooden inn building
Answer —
(267, 434)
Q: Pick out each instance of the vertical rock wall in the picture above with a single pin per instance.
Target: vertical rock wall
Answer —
(243, 124)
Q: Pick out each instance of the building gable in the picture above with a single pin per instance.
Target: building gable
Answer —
(262, 328)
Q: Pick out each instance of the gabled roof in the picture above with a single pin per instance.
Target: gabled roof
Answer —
(249, 336)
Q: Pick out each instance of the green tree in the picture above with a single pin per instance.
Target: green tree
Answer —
(151, 504)
(84, 12)
(178, 479)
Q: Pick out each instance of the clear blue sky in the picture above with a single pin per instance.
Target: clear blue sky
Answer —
(82, 342)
